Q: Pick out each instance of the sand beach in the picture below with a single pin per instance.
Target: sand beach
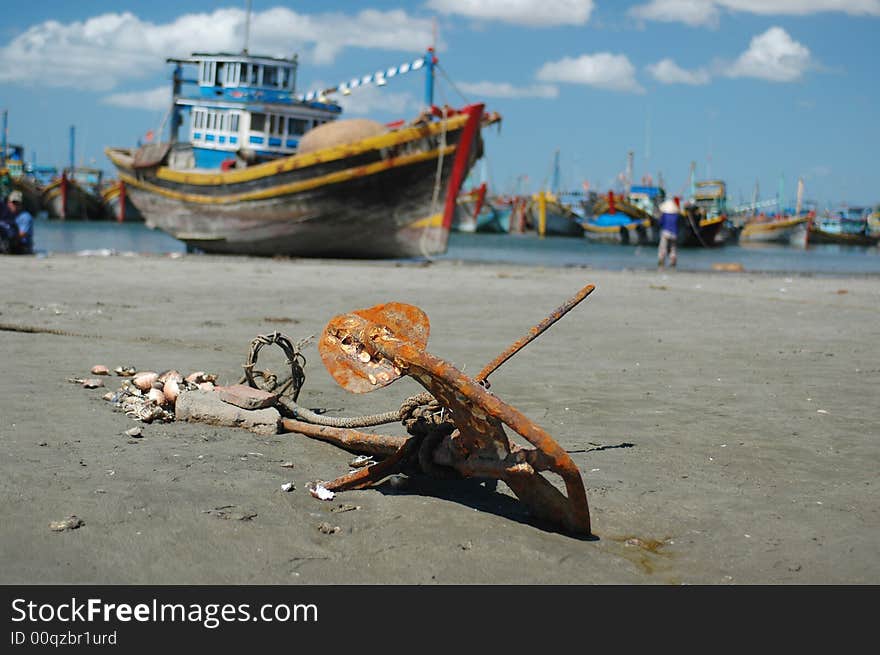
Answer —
(726, 426)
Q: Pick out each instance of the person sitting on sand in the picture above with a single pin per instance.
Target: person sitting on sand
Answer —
(24, 224)
(669, 214)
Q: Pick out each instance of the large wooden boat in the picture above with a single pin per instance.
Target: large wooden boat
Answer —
(267, 172)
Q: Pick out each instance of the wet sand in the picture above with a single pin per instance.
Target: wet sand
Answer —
(726, 426)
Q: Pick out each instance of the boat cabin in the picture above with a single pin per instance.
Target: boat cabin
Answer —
(242, 109)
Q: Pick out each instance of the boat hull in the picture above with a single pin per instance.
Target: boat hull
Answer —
(641, 233)
(383, 197)
(787, 231)
(818, 235)
(702, 233)
(79, 203)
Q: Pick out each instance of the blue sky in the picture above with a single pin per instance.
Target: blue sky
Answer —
(753, 91)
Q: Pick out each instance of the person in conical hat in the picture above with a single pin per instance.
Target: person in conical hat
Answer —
(669, 214)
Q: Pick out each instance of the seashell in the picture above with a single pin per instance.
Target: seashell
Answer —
(144, 380)
(109, 396)
(206, 386)
(125, 371)
(196, 377)
(156, 396)
(100, 369)
(93, 383)
(170, 374)
(171, 389)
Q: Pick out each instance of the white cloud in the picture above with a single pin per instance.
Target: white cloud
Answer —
(668, 72)
(534, 13)
(372, 99)
(603, 70)
(99, 52)
(772, 56)
(697, 13)
(159, 98)
(507, 90)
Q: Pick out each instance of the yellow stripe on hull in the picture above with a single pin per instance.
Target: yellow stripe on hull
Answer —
(292, 187)
(294, 162)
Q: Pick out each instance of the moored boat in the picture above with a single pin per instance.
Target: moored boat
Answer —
(74, 195)
(476, 212)
(267, 172)
(785, 229)
(850, 226)
(117, 204)
(704, 216)
(627, 220)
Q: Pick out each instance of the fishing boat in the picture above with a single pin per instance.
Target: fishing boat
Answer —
(266, 171)
(476, 212)
(777, 228)
(848, 226)
(75, 195)
(550, 215)
(117, 204)
(626, 219)
(704, 216)
(783, 225)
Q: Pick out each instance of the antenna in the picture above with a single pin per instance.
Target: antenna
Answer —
(247, 26)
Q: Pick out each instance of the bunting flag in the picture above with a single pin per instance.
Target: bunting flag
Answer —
(379, 78)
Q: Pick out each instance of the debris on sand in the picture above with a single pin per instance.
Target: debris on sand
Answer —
(100, 369)
(326, 528)
(87, 383)
(319, 491)
(288, 486)
(230, 513)
(72, 522)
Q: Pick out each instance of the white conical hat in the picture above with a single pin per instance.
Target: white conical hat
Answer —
(669, 207)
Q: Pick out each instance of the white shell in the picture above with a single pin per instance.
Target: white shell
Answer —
(144, 380)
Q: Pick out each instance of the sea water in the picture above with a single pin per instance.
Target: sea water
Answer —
(106, 237)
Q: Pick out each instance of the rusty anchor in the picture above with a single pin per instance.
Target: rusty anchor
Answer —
(457, 428)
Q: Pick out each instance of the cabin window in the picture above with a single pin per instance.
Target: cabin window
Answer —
(242, 75)
(255, 75)
(221, 71)
(287, 79)
(270, 76)
(233, 119)
(258, 122)
(297, 126)
(231, 75)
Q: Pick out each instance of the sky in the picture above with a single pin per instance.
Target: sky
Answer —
(758, 93)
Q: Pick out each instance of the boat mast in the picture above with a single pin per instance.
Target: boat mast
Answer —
(72, 147)
(4, 135)
(629, 171)
(247, 26)
(431, 62)
(800, 197)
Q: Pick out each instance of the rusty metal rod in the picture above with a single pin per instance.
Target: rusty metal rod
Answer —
(348, 439)
(534, 333)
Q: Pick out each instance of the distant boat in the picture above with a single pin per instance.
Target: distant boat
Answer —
(265, 171)
(75, 195)
(704, 216)
(117, 204)
(560, 219)
(627, 220)
(784, 229)
(849, 226)
(476, 212)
